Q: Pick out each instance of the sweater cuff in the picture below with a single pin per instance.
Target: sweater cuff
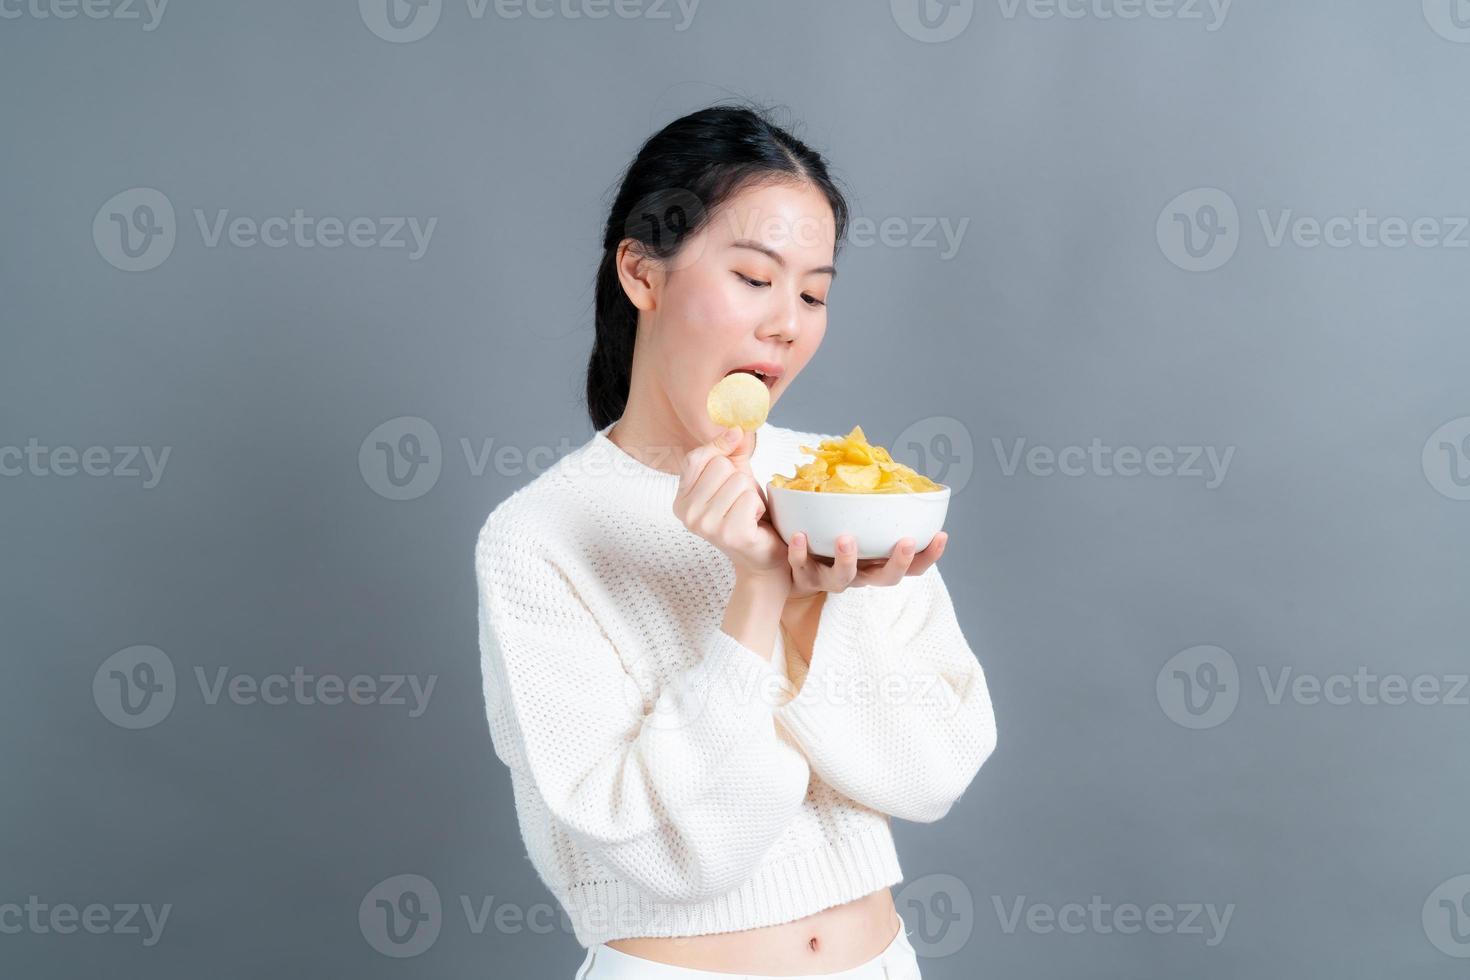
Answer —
(829, 681)
(736, 668)
(721, 711)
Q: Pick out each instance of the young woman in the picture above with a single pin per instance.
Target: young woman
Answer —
(708, 730)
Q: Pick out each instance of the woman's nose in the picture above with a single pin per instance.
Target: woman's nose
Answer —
(784, 321)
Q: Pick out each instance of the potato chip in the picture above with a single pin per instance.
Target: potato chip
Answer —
(853, 465)
(739, 399)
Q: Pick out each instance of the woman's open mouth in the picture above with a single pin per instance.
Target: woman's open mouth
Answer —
(768, 373)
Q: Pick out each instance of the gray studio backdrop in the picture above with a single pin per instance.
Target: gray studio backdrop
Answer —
(1173, 293)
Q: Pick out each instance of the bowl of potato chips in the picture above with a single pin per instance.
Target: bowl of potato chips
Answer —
(853, 487)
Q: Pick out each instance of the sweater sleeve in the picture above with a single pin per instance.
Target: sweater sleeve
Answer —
(894, 711)
(681, 802)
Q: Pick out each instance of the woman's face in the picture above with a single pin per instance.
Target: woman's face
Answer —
(748, 290)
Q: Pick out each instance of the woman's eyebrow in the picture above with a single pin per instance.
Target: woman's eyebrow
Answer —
(776, 256)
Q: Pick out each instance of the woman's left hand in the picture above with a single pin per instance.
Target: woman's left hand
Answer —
(811, 574)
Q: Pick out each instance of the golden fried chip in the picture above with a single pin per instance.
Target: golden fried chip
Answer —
(851, 464)
(739, 399)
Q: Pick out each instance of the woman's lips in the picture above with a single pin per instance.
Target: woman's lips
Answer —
(769, 374)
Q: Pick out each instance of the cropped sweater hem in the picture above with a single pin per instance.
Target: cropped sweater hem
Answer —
(804, 884)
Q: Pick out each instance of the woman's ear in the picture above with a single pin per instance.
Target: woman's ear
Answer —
(638, 273)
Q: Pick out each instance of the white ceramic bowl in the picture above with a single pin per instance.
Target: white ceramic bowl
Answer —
(878, 520)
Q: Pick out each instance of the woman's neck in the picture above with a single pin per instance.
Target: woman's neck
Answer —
(655, 437)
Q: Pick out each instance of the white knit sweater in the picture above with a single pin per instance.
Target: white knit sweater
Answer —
(670, 781)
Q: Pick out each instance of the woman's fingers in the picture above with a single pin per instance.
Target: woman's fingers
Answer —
(929, 555)
(844, 565)
(845, 570)
(904, 562)
(893, 570)
(810, 572)
(722, 503)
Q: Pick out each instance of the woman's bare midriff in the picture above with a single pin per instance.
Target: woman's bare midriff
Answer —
(832, 940)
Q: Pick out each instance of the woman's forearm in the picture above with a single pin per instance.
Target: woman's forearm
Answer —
(752, 614)
(799, 618)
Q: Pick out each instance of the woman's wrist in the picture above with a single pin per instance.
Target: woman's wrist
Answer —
(767, 585)
(753, 614)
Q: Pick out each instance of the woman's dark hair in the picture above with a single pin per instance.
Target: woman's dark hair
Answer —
(680, 177)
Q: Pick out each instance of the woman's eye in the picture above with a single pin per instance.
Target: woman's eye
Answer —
(752, 282)
(813, 301)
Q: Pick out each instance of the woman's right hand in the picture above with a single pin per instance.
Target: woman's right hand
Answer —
(720, 501)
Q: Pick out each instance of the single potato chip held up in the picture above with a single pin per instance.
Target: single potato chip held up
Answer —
(739, 399)
(852, 465)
